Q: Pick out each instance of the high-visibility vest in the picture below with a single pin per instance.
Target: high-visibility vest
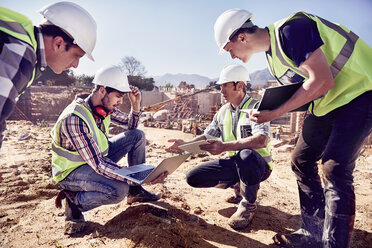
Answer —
(348, 56)
(19, 27)
(65, 161)
(224, 117)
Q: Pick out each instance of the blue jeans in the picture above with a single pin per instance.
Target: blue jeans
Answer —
(336, 139)
(94, 189)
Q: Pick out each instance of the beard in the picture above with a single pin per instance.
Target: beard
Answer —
(106, 104)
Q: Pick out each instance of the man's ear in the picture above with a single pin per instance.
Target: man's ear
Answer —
(242, 37)
(240, 85)
(102, 90)
(57, 43)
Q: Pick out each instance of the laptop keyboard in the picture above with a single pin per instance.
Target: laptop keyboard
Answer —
(141, 174)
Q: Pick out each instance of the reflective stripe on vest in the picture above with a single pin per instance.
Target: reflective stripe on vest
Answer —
(348, 56)
(224, 116)
(65, 161)
(19, 27)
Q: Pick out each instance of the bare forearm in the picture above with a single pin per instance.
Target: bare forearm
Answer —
(319, 81)
(254, 142)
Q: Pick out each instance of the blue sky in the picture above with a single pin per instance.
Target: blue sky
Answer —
(170, 36)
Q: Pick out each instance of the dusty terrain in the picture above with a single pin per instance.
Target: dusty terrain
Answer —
(184, 217)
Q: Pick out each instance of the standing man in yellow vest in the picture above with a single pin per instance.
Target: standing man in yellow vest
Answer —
(334, 65)
(67, 33)
(246, 142)
(84, 159)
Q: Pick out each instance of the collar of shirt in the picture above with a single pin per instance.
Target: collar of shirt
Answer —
(40, 53)
(99, 122)
(235, 113)
(244, 100)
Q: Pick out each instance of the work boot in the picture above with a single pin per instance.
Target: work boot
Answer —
(246, 208)
(298, 239)
(243, 215)
(139, 194)
(74, 222)
(338, 230)
(309, 235)
(237, 197)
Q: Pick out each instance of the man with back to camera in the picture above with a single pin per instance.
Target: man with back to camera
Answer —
(334, 65)
(84, 159)
(67, 33)
(246, 142)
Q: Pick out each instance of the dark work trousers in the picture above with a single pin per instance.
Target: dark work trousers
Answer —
(247, 166)
(2, 129)
(336, 139)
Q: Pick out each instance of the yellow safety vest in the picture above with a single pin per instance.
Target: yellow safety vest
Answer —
(20, 27)
(65, 161)
(348, 56)
(224, 117)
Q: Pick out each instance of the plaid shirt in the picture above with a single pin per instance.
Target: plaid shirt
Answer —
(17, 63)
(75, 136)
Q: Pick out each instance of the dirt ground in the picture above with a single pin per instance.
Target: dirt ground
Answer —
(184, 217)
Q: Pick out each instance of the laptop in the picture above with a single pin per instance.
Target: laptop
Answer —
(275, 96)
(193, 147)
(143, 173)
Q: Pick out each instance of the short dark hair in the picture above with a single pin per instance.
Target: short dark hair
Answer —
(108, 89)
(54, 31)
(251, 30)
(244, 86)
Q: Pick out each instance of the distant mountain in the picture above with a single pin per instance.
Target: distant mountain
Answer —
(261, 76)
(175, 79)
(200, 82)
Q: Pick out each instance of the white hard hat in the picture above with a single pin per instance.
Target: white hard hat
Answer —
(227, 23)
(233, 73)
(112, 76)
(76, 21)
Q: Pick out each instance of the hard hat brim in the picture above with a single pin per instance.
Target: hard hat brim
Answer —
(89, 55)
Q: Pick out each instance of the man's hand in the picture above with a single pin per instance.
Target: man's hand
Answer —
(159, 179)
(174, 148)
(214, 147)
(263, 115)
(135, 98)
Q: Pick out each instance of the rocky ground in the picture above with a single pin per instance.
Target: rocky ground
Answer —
(184, 217)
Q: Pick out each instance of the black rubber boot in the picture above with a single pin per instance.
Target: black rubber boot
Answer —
(138, 194)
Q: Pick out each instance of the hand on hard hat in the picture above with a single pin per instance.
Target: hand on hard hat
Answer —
(135, 98)
(227, 23)
(75, 21)
(233, 73)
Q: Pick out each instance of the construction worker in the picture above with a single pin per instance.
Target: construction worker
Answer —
(246, 142)
(67, 33)
(334, 65)
(84, 158)
(277, 132)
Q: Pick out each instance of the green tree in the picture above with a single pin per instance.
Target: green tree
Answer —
(66, 78)
(168, 85)
(213, 84)
(84, 80)
(147, 84)
(182, 85)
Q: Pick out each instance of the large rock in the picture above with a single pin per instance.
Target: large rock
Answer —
(161, 115)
